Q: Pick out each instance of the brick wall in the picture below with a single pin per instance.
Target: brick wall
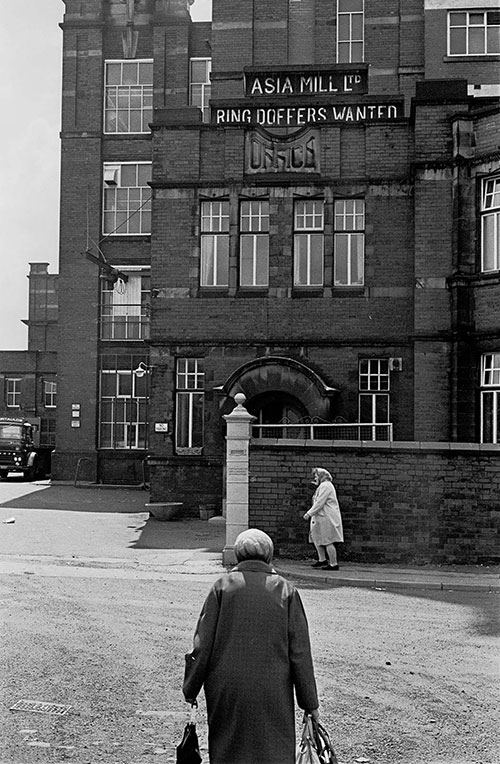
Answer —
(440, 66)
(78, 304)
(411, 35)
(232, 41)
(486, 134)
(432, 401)
(119, 468)
(195, 482)
(414, 502)
(301, 32)
(325, 32)
(270, 42)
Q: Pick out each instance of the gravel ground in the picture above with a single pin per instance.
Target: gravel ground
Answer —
(404, 678)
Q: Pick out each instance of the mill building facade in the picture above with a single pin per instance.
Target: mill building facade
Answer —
(298, 201)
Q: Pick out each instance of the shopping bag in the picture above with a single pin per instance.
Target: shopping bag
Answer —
(306, 749)
(188, 750)
(324, 747)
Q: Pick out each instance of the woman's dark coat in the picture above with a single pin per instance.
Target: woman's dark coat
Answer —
(251, 648)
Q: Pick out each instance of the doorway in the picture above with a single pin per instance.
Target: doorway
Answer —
(276, 407)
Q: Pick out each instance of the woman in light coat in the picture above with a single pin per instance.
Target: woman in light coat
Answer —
(251, 651)
(326, 520)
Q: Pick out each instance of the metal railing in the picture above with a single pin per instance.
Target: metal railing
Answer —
(124, 327)
(81, 461)
(329, 431)
(145, 485)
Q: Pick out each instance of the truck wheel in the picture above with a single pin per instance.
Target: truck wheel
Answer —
(31, 473)
(3, 474)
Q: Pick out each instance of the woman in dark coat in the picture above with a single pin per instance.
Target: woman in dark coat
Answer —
(251, 649)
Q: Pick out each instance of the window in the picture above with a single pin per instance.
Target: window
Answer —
(128, 97)
(473, 33)
(490, 398)
(13, 392)
(374, 374)
(308, 242)
(254, 243)
(50, 394)
(490, 225)
(125, 308)
(374, 379)
(199, 85)
(127, 198)
(350, 31)
(48, 432)
(123, 403)
(190, 385)
(349, 242)
(214, 243)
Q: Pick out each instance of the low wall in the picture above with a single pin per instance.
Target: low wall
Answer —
(197, 483)
(122, 468)
(400, 502)
(106, 467)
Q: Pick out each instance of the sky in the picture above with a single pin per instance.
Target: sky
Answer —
(30, 92)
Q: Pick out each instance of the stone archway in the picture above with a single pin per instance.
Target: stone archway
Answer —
(283, 377)
(276, 407)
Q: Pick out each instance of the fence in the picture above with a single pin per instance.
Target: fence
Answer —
(330, 431)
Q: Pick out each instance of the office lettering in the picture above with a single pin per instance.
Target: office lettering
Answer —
(289, 155)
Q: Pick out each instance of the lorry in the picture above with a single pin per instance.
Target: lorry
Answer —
(19, 448)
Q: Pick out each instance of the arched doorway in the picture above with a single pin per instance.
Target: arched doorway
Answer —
(278, 388)
(275, 407)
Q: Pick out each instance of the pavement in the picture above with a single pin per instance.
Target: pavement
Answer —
(61, 529)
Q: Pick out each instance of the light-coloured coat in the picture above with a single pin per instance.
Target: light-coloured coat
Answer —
(251, 649)
(326, 520)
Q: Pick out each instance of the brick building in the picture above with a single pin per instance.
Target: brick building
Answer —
(28, 378)
(300, 201)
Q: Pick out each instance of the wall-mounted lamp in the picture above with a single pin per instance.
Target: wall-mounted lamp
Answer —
(142, 369)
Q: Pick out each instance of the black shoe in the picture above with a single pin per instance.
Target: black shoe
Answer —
(331, 567)
(319, 564)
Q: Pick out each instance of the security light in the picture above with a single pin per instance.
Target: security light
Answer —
(142, 369)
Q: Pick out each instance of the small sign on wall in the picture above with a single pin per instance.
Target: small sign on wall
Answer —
(161, 426)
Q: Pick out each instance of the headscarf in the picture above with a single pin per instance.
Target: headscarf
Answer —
(322, 475)
(253, 545)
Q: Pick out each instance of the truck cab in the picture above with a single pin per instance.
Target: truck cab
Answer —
(18, 447)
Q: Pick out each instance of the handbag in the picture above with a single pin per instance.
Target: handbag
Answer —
(324, 745)
(315, 746)
(188, 750)
(306, 749)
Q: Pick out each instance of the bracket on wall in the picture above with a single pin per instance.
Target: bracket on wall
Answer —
(110, 273)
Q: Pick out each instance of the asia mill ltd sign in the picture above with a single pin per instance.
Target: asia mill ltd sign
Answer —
(306, 82)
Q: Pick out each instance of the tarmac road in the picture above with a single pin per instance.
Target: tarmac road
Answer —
(100, 606)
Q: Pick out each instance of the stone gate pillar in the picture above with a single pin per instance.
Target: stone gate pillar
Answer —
(239, 432)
